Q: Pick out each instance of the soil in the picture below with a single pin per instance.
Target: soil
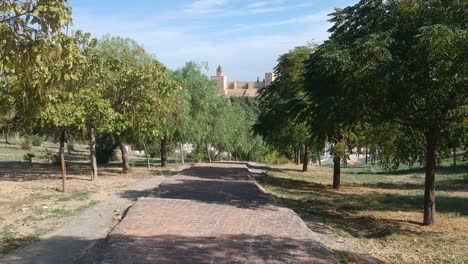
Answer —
(32, 204)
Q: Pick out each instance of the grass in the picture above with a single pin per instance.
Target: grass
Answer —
(77, 196)
(29, 199)
(11, 240)
(378, 213)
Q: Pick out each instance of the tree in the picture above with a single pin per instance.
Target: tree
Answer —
(62, 110)
(282, 121)
(199, 101)
(138, 88)
(7, 112)
(31, 34)
(408, 60)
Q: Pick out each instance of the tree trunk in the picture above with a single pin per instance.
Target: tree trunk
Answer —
(336, 172)
(125, 159)
(429, 186)
(208, 152)
(299, 156)
(62, 158)
(319, 159)
(454, 158)
(164, 152)
(182, 154)
(296, 157)
(305, 161)
(148, 164)
(92, 153)
(366, 156)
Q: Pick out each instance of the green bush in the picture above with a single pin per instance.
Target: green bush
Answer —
(28, 157)
(275, 158)
(71, 146)
(36, 140)
(51, 156)
(26, 143)
(105, 148)
(154, 150)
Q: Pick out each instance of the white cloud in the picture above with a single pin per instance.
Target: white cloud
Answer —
(263, 10)
(315, 18)
(205, 6)
(243, 56)
(258, 4)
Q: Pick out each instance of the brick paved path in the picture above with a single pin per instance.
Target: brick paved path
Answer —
(212, 213)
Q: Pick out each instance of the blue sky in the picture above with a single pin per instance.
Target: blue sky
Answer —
(245, 37)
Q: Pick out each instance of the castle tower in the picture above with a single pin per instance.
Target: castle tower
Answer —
(269, 78)
(221, 80)
(219, 71)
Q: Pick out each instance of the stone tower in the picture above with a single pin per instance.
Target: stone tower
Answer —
(221, 80)
(219, 71)
(269, 78)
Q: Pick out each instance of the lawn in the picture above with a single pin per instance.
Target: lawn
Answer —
(30, 204)
(376, 215)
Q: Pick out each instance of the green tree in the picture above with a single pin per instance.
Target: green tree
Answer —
(199, 102)
(282, 121)
(63, 109)
(138, 88)
(32, 40)
(408, 60)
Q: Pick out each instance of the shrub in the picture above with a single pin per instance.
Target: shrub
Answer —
(275, 158)
(71, 146)
(105, 148)
(154, 150)
(26, 143)
(36, 140)
(51, 156)
(28, 157)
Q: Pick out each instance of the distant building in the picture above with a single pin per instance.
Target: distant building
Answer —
(226, 88)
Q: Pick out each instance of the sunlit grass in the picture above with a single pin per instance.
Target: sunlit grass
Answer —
(379, 212)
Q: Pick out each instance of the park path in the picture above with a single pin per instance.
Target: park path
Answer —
(211, 213)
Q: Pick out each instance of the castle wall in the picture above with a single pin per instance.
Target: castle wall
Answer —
(243, 88)
(222, 84)
(250, 89)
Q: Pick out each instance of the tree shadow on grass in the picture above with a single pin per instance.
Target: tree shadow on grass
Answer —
(272, 169)
(455, 184)
(341, 209)
(441, 170)
(354, 257)
(23, 172)
(20, 171)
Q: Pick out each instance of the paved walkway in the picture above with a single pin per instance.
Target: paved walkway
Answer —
(212, 213)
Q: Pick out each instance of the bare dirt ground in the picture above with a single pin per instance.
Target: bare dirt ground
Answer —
(30, 203)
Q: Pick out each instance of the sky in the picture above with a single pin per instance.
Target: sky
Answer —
(244, 37)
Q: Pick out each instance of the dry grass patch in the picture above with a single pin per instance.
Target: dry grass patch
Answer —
(30, 203)
(376, 215)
